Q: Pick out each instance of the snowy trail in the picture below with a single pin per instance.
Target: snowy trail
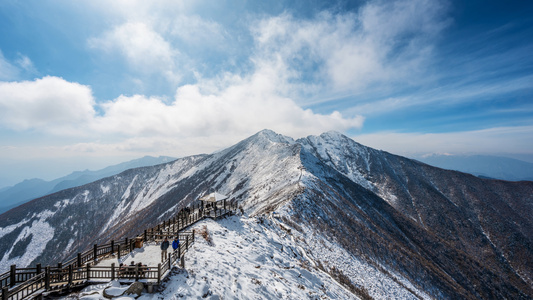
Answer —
(246, 260)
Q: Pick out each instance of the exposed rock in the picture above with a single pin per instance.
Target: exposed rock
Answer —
(135, 289)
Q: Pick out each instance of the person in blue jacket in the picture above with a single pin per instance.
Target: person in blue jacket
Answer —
(164, 247)
(175, 243)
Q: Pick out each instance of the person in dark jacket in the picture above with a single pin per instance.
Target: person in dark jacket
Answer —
(164, 247)
(175, 243)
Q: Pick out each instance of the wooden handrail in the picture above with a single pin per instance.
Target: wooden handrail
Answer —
(79, 267)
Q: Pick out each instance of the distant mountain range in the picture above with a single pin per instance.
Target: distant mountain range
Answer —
(34, 188)
(483, 166)
(373, 220)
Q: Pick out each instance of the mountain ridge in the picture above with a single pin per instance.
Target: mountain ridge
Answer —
(440, 232)
(33, 188)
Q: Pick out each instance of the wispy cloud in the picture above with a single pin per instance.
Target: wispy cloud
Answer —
(8, 71)
(384, 43)
(144, 50)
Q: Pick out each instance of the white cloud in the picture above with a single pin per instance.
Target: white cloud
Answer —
(384, 43)
(145, 50)
(511, 140)
(245, 106)
(233, 107)
(50, 102)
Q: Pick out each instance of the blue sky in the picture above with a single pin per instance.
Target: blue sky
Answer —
(84, 84)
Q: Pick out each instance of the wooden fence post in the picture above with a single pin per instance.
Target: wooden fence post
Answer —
(47, 278)
(13, 275)
(159, 273)
(169, 261)
(79, 260)
(112, 247)
(5, 291)
(119, 251)
(186, 242)
(179, 250)
(39, 269)
(145, 236)
(95, 253)
(59, 270)
(183, 261)
(70, 274)
(113, 271)
(88, 272)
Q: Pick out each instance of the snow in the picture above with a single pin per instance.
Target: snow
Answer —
(62, 204)
(39, 233)
(85, 194)
(105, 189)
(95, 292)
(149, 255)
(247, 260)
(127, 193)
(10, 228)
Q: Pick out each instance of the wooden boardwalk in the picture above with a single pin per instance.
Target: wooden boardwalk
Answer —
(29, 283)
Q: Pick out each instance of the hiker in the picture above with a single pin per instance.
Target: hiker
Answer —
(130, 270)
(175, 244)
(142, 269)
(164, 247)
(121, 269)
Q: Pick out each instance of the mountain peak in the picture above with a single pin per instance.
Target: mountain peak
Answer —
(333, 133)
(274, 137)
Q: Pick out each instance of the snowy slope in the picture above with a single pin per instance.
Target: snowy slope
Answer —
(388, 225)
(256, 258)
(30, 189)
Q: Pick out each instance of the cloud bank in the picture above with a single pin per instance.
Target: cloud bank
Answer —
(56, 106)
(191, 83)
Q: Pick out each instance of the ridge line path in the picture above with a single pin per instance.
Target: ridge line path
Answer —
(17, 283)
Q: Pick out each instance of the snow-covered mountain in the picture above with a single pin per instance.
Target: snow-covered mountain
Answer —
(32, 188)
(373, 221)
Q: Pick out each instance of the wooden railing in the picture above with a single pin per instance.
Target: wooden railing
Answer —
(23, 283)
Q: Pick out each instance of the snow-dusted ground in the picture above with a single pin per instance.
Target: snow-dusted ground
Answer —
(149, 255)
(245, 260)
(261, 258)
